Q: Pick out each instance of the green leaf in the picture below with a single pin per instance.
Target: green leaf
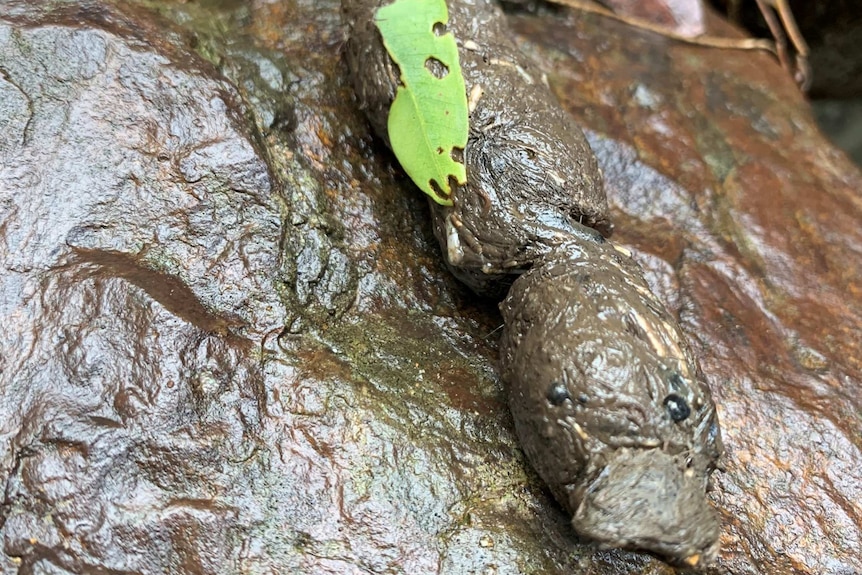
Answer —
(428, 118)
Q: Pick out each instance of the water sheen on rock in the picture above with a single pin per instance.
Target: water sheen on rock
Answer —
(229, 342)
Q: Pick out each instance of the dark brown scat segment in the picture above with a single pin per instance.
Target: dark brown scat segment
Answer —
(515, 219)
(437, 68)
(374, 75)
(558, 325)
(645, 498)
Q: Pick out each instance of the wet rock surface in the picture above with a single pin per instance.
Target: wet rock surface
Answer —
(230, 343)
(217, 358)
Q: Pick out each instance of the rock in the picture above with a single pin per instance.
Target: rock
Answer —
(721, 183)
(684, 17)
(231, 343)
(140, 258)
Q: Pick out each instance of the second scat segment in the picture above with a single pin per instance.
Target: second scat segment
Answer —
(610, 405)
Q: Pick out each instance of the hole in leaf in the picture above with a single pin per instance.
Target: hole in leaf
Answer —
(396, 72)
(437, 189)
(457, 154)
(439, 28)
(437, 68)
(453, 182)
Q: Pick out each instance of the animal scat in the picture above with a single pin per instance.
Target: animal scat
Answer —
(619, 377)
(631, 456)
(514, 144)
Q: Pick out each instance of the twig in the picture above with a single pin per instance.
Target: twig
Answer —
(703, 40)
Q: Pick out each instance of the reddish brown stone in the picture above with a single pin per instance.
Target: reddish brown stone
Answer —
(161, 226)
